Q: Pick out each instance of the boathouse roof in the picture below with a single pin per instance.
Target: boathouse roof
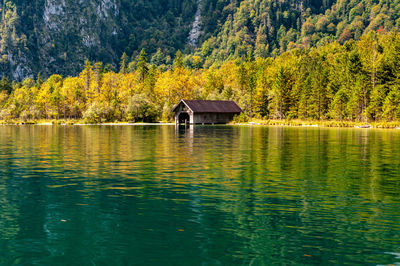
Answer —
(210, 106)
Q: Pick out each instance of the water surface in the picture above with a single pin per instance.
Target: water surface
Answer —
(208, 195)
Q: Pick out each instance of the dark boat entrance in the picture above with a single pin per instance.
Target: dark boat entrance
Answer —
(184, 118)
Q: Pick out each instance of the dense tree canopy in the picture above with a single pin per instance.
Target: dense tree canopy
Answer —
(356, 81)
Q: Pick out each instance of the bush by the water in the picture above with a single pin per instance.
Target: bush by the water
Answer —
(141, 109)
(242, 118)
(93, 113)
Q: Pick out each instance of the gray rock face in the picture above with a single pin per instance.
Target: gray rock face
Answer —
(73, 24)
(56, 36)
(53, 12)
(195, 32)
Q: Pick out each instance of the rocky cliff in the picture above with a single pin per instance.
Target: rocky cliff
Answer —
(56, 36)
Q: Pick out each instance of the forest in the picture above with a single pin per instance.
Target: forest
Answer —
(57, 36)
(353, 81)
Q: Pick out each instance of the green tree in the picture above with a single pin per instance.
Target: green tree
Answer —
(339, 103)
(5, 85)
(98, 75)
(87, 75)
(318, 82)
(281, 88)
(158, 58)
(391, 105)
(178, 60)
(141, 66)
(123, 64)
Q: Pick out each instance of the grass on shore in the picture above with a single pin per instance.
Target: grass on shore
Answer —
(62, 122)
(325, 123)
(41, 122)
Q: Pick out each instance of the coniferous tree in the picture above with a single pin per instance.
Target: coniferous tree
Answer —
(158, 58)
(141, 66)
(178, 60)
(5, 85)
(123, 64)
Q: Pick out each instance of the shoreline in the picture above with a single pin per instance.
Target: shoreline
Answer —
(323, 124)
(77, 123)
(254, 122)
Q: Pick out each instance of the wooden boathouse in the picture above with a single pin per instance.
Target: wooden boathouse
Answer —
(205, 112)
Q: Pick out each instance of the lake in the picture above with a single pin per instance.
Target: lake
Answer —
(208, 195)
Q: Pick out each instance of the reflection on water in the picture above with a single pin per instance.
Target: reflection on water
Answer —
(214, 195)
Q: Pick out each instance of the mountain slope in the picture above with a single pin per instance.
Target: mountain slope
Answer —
(56, 36)
(269, 27)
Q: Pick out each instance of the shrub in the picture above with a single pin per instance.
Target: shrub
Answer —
(242, 118)
(93, 114)
(141, 109)
(5, 114)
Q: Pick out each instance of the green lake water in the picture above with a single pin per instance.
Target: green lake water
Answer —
(208, 195)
